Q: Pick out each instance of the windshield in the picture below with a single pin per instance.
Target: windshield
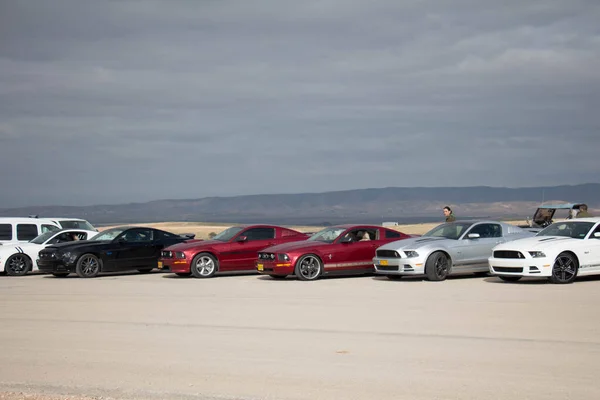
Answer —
(76, 224)
(452, 230)
(109, 234)
(327, 235)
(575, 230)
(43, 237)
(228, 233)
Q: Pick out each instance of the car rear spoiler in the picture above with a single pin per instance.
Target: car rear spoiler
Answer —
(188, 235)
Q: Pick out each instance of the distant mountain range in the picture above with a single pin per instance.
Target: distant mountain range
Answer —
(405, 205)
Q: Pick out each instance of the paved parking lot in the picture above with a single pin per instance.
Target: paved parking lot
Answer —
(249, 337)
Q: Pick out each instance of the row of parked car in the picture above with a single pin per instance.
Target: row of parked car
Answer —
(561, 251)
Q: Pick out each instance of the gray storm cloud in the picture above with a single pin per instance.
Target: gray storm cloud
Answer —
(108, 102)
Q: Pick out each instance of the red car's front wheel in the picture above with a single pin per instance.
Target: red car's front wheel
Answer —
(204, 265)
(309, 267)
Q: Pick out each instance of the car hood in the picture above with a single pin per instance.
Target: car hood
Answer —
(295, 246)
(195, 244)
(535, 243)
(416, 243)
(71, 246)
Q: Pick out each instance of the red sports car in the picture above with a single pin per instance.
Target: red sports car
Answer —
(347, 249)
(234, 249)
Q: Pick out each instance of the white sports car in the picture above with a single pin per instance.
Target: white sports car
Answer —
(560, 252)
(20, 258)
(454, 247)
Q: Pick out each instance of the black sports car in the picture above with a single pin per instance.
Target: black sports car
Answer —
(117, 249)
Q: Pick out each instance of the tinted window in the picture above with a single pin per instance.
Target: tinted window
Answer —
(137, 235)
(49, 228)
(76, 225)
(487, 230)
(5, 232)
(27, 231)
(259, 234)
(158, 235)
(392, 234)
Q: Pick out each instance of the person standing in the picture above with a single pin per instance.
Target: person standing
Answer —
(449, 215)
(583, 211)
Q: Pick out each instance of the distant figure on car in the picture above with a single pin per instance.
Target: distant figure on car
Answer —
(449, 215)
(583, 211)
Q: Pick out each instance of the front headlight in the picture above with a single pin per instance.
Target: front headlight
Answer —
(283, 257)
(411, 254)
(537, 254)
(179, 254)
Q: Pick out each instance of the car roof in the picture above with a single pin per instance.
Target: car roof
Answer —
(25, 219)
(560, 206)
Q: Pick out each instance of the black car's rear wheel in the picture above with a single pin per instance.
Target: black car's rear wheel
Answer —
(437, 266)
(88, 266)
(309, 267)
(204, 265)
(17, 265)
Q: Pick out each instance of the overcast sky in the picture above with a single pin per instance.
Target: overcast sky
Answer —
(129, 101)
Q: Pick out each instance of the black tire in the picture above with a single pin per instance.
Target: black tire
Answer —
(507, 278)
(437, 266)
(204, 265)
(145, 270)
(18, 265)
(60, 274)
(279, 277)
(88, 266)
(564, 269)
(183, 274)
(308, 268)
(394, 277)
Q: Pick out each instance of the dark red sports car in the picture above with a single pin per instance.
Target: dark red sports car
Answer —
(343, 249)
(234, 249)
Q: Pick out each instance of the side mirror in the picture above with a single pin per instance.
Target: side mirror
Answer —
(241, 238)
(346, 239)
(473, 236)
(597, 234)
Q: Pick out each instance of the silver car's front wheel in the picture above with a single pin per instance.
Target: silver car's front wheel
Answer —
(309, 268)
(204, 265)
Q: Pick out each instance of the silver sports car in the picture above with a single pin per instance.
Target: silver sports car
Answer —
(450, 248)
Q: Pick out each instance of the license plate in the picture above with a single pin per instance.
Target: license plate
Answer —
(383, 262)
(160, 265)
(260, 267)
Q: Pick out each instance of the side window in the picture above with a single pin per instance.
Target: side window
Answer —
(487, 230)
(288, 233)
(360, 235)
(49, 228)
(5, 232)
(158, 235)
(137, 235)
(597, 230)
(26, 231)
(392, 234)
(259, 234)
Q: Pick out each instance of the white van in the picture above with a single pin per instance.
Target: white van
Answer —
(14, 230)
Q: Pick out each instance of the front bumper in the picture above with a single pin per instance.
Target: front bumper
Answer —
(274, 267)
(49, 266)
(520, 267)
(398, 266)
(176, 265)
